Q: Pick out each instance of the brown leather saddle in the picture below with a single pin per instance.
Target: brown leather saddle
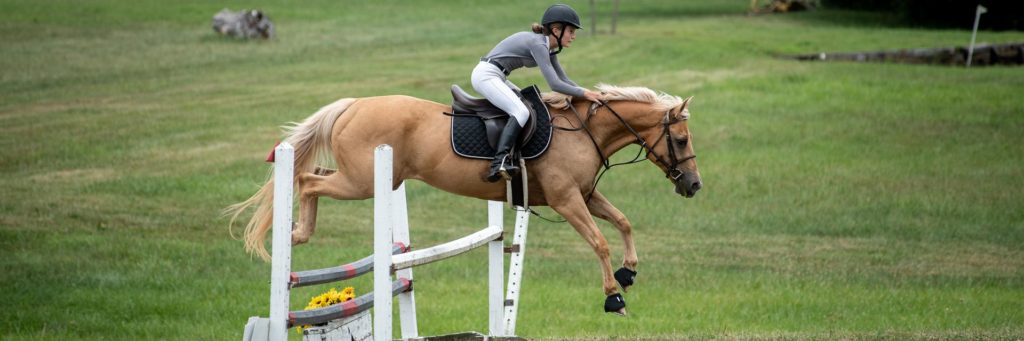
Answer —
(477, 124)
(494, 118)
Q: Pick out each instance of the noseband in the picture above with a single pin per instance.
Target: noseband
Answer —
(671, 165)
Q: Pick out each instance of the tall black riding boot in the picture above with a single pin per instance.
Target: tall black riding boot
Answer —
(503, 166)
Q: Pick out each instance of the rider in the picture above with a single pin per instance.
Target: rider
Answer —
(525, 49)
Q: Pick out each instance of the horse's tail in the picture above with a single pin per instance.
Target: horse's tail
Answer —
(312, 142)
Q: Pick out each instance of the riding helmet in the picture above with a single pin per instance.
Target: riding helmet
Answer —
(561, 13)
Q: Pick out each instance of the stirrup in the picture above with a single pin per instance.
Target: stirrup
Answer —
(501, 172)
(511, 171)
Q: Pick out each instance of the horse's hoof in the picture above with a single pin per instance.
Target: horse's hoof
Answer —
(615, 304)
(625, 277)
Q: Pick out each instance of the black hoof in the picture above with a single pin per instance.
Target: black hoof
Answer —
(625, 277)
(615, 304)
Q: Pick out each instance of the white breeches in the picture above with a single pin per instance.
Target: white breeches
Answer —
(490, 82)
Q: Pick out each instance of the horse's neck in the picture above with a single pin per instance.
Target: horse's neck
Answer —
(611, 133)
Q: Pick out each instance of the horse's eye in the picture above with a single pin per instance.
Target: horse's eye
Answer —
(682, 142)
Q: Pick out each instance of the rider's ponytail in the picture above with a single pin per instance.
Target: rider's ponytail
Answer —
(537, 28)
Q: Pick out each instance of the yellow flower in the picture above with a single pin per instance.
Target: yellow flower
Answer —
(330, 297)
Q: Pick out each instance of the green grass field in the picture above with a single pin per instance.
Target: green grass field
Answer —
(841, 200)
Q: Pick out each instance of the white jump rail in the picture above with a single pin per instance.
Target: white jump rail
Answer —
(391, 238)
(446, 250)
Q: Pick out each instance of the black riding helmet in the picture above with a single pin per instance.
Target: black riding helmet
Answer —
(560, 13)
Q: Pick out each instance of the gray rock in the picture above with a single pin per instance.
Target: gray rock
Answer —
(247, 24)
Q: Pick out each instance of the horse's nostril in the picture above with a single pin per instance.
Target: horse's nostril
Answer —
(696, 185)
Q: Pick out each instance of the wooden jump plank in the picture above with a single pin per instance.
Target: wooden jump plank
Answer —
(338, 273)
(446, 250)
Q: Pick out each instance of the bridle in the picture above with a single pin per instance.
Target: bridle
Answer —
(673, 162)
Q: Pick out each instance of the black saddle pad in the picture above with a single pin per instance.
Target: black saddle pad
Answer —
(469, 137)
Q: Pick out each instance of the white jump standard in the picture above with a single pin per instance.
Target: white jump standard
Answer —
(391, 256)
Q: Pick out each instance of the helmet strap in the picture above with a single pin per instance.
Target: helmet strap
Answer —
(561, 34)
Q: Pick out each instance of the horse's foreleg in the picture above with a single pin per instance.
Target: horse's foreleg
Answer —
(574, 210)
(311, 187)
(600, 207)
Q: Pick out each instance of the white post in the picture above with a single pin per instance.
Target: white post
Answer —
(515, 270)
(495, 272)
(382, 242)
(977, 17)
(281, 263)
(406, 300)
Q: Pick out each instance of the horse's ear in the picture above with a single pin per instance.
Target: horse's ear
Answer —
(683, 113)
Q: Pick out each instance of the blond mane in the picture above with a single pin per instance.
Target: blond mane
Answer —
(661, 101)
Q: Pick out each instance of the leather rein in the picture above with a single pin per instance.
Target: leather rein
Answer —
(671, 164)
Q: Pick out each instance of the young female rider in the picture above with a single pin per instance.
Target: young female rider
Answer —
(525, 49)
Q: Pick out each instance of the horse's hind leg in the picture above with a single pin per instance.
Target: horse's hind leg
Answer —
(313, 185)
(600, 207)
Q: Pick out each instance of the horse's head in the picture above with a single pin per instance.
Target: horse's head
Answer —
(672, 150)
(657, 122)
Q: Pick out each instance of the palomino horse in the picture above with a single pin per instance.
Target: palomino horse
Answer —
(563, 178)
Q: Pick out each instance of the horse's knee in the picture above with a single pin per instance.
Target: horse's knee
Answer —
(624, 225)
(602, 250)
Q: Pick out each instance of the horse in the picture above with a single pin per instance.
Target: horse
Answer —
(564, 178)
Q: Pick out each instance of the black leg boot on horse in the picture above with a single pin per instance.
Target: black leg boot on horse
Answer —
(503, 165)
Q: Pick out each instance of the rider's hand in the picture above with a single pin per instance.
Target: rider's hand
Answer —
(593, 96)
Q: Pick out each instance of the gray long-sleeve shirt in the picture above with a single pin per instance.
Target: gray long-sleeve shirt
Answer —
(528, 49)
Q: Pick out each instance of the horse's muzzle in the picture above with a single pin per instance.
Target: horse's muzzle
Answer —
(688, 185)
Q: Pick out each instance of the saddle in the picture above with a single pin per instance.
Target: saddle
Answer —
(477, 125)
